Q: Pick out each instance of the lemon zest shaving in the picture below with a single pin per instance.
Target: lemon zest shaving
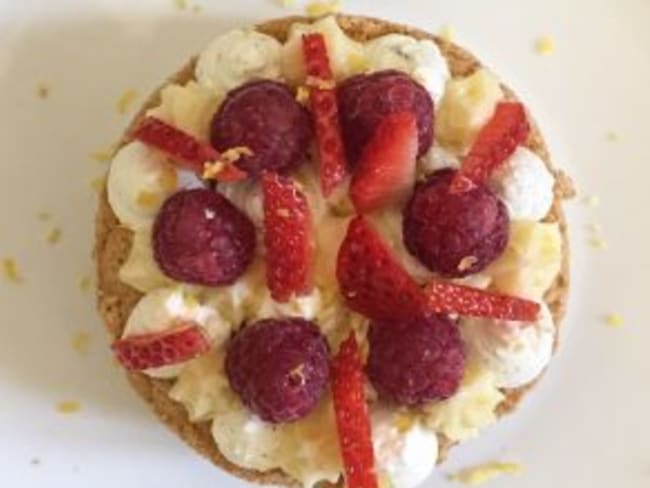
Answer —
(126, 100)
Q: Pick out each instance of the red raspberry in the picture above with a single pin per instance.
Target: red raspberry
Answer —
(365, 100)
(416, 361)
(455, 234)
(199, 237)
(264, 117)
(279, 368)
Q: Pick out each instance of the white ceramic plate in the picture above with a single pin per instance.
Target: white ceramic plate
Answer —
(588, 423)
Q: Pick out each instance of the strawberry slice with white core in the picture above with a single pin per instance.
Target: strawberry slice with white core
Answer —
(372, 281)
(324, 108)
(185, 149)
(182, 343)
(352, 418)
(288, 237)
(496, 142)
(386, 171)
(447, 298)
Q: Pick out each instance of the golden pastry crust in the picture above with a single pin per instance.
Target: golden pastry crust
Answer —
(116, 299)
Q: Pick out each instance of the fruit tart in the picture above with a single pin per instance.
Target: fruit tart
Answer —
(329, 250)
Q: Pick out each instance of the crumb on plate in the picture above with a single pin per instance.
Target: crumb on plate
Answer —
(44, 216)
(68, 407)
(104, 154)
(597, 242)
(612, 136)
(180, 4)
(35, 461)
(614, 320)
(80, 342)
(85, 283)
(98, 184)
(447, 32)
(42, 90)
(485, 472)
(320, 8)
(545, 45)
(54, 235)
(10, 271)
(591, 200)
(126, 101)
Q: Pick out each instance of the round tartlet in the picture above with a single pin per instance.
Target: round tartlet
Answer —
(116, 300)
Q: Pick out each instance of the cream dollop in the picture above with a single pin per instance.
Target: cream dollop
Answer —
(307, 450)
(140, 269)
(421, 59)
(237, 57)
(514, 352)
(437, 158)
(162, 309)
(525, 185)
(346, 56)
(471, 409)
(405, 452)
(188, 107)
(139, 181)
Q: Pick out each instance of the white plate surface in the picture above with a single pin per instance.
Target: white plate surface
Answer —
(588, 423)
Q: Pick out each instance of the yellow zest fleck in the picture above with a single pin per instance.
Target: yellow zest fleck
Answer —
(403, 423)
(614, 320)
(357, 62)
(447, 32)
(302, 95)
(598, 243)
(85, 283)
(319, 83)
(44, 216)
(98, 184)
(318, 9)
(80, 341)
(212, 169)
(68, 407)
(190, 301)
(288, 3)
(545, 45)
(591, 200)
(147, 199)
(104, 155)
(10, 271)
(180, 4)
(54, 235)
(126, 100)
(467, 262)
(611, 136)
(42, 90)
(283, 212)
(596, 228)
(485, 472)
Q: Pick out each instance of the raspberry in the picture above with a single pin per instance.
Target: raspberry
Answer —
(416, 361)
(365, 100)
(279, 368)
(264, 117)
(454, 234)
(199, 237)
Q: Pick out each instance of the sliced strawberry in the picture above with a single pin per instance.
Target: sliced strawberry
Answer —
(288, 238)
(184, 148)
(372, 282)
(324, 108)
(182, 343)
(386, 171)
(507, 129)
(352, 418)
(451, 298)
